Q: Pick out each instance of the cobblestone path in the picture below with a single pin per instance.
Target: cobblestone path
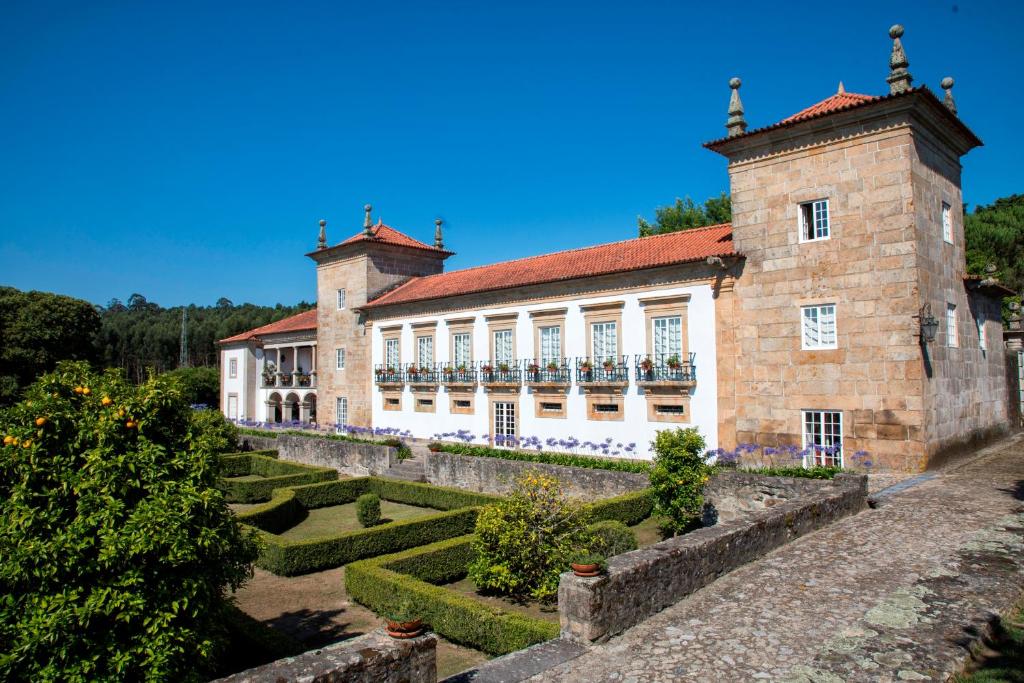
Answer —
(892, 594)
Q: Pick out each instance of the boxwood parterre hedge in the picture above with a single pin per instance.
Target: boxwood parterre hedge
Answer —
(567, 459)
(383, 583)
(276, 474)
(456, 516)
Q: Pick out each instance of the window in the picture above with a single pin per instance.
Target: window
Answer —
(668, 338)
(341, 299)
(551, 407)
(819, 326)
(463, 403)
(460, 349)
(550, 345)
(823, 434)
(980, 321)
(670, 409)
(814, 223)
(605, 341)
(952, 338)
(947, 223)
(606, 407)
(341, 413)
(391, 355)
(503, 346)
(425, 351)
(233, 368)
(394, 403)
(339, 359)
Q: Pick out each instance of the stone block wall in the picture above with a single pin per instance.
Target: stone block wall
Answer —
(641, 583)
(731, 495)
(350, 458)
(372, 658)
(494, 475)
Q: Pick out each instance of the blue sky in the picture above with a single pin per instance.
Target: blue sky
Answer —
(186, 150)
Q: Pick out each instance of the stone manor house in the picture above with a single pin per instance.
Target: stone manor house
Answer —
(834, 310)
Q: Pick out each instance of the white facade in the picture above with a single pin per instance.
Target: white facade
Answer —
(271, 379)
(634, 426)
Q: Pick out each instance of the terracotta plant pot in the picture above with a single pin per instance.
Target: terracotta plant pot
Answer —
(404, 629)
(585, 570)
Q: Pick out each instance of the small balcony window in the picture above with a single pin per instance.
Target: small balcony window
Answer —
(947, 223)
(818, 327)
(814, 221)
(339, 359)
(341, 299)
(233, 368)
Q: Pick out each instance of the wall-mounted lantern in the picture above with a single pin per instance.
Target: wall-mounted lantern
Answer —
(929, 324)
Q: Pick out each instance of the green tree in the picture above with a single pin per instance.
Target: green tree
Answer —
(116, 548)
(200, 385)
(38, 329)
(686, 214)
(678, 477)
(995, 235)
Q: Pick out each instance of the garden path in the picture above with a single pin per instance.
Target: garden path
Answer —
(895, 593)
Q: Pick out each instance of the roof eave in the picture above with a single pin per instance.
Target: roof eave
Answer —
(339, 249)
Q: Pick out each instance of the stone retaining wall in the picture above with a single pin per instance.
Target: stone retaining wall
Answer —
(643, 582)
(494, 475)
(348, 457)
(372, 658)
(733, 494)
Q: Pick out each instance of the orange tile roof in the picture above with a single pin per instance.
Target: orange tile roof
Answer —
(388, 235)
(294, 323)
(617, 257)
(841, 100)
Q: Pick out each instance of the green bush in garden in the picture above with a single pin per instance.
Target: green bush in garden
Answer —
(611, 537)
(210, 425)
(524, 542)
(368, 509)
(276, 474)
(117, 551)
(678, 477)
(564, 459)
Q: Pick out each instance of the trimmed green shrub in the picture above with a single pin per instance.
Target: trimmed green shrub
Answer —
(524, 542)
(567, 459)
(678, 478)
(117, 551)
(276, 473)
(385, 582)
(629, 508)
(213, 428)
(281, 513)
(368, 509)
(611, 537)
(816, 472)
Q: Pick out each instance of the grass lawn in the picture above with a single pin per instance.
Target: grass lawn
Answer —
(337, 519)
(315, 610)
(647, 532)
(1002, 658)
(528, 608)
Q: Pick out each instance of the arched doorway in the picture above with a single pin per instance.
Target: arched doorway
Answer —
(291, 408)
(274, 407)
(309, 407)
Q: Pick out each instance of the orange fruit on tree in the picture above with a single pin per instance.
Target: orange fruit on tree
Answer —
(40, 421)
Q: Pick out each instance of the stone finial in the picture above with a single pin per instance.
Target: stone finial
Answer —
(736, 125)
(947, 85)
(322, 242)
(841, 89)
(438, 240)
(899, 78)
(368, 222)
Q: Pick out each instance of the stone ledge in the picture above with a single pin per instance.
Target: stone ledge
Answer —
(643, 582)
(372, 658)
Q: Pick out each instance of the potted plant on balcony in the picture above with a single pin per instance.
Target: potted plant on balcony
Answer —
(461, 369)
(503, 367)
(587, 564)
(587, 368)
(647, 365)
(534, 370)
(448, 372)
(552, 366)
(673, 362)
(413, 372)
(402, 621)
(608, 364)
(379, 372)
(425, 370)
(391, 370)
(487, 369)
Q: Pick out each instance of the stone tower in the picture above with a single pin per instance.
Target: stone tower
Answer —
(349, 274)
(855, 203)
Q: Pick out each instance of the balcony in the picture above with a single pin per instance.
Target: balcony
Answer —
(462, 375)
(604, 372)
(426, 376)
(547, 374)
(663, 370)
(500, 374)
(386, 376)
(284, 380)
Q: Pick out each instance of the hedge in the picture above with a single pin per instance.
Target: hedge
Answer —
(288, 507)
(276, 473)
(567, 459)
(629, 508)
(385, 582)
(403, 449)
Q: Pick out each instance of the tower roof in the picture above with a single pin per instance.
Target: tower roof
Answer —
(841, 100)
(385, 234)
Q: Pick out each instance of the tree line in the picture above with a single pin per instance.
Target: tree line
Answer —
(38, 329)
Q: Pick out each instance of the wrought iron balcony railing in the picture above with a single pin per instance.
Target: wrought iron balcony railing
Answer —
(500, 372)
(609, 370)
(547, 372)
(463, 373)
(388, 374)
(422, 374)
(666, 369)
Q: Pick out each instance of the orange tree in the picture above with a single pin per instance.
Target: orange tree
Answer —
(116, 548)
